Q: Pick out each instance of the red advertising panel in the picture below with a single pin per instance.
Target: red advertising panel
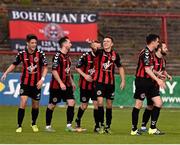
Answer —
(49, 27)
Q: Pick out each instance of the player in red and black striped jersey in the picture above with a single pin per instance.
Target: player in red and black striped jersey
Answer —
(144, 83)
(33, 74)
(62, 85)
(146, 58)
(61, 64)
(85, 67)
(104, 63)
(160, 71)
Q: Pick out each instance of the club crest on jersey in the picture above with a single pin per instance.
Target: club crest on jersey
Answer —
(36, 59)
(99, 92)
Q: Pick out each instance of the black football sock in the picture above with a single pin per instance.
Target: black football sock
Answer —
(154, 116)
(49, 114)
(101, 115)
(96, 118)
(21, 113)
(108, 117)
(70, 114)
(135, 115)
(80, 113)
(146, 116)
(79, 116)
(34, 114)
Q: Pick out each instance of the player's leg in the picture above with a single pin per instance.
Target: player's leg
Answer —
(108, 115)
(84, 99)
(21, 112)
(139, 95)
(98, 93)
(54, 98)
(68, 96)
(95, 116)
(156, 110)
(70, 114)
(49, 115)
(146, 115)
(157, 102)
(35, 95)
(109, 95)
(80, 113)
(34, 114)
(135, 116)
(101, 114)
(155, 115)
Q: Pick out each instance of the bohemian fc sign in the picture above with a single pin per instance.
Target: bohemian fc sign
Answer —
(49, 27)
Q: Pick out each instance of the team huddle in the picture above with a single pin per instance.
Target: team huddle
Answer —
(96, 82)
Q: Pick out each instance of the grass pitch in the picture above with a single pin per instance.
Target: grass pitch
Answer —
(121, 125)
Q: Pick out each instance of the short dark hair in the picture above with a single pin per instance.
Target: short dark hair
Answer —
(62, 40)
(29, 37)
(108, 36)
(151, 37)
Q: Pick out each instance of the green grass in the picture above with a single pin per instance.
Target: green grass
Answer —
(169, 122)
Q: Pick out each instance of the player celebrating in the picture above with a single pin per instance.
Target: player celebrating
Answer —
(33, 75)
(146, 86)
(62, 85)
(160, 71)
(104, 63)
(85, 68)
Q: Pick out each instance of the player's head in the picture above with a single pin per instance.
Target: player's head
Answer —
(65, 42)
(95, 45)
(162, 47)
(31, 41)
(107, 42)
(153, 40)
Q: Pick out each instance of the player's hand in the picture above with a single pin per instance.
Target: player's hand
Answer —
(160, 75)
(88, 40)
(62, 86)
(39, 84)
(122, 85)
(3, 77)
(161, 83)
(88, 78)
